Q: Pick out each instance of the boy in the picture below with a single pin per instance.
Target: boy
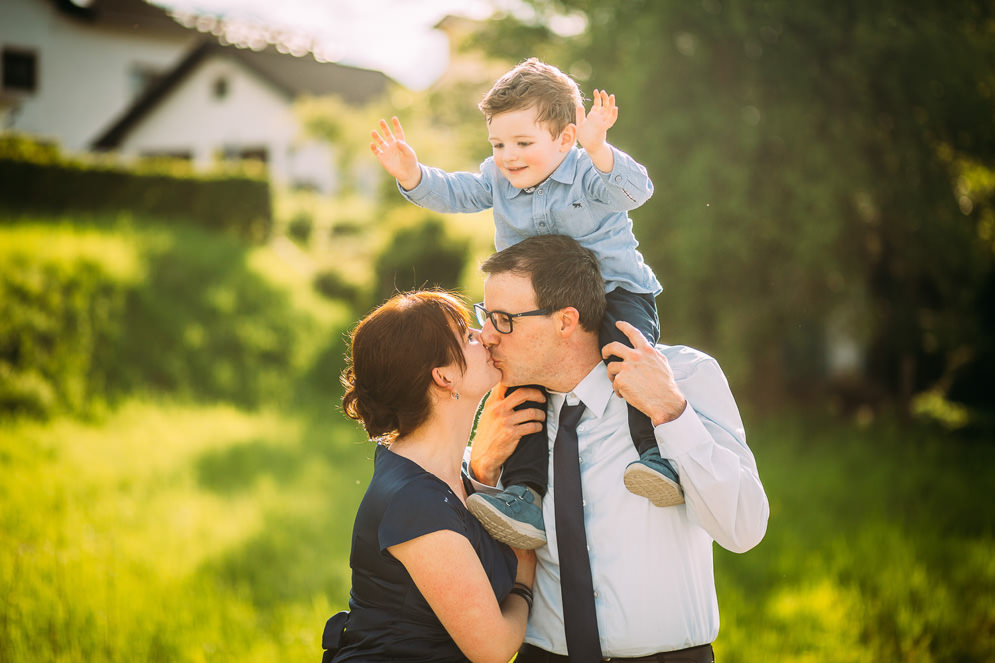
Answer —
(539, 182)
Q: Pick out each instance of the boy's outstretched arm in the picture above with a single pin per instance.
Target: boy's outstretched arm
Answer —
(592, 129)
(395, 155)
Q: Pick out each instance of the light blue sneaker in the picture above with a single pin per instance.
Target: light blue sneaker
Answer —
(513, 516)
(654, 478)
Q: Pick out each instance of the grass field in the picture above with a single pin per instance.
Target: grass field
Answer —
(185, 528)
(172, 532)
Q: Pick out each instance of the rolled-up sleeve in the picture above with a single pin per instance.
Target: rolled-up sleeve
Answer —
(722, 488)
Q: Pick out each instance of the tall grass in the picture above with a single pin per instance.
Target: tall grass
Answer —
(880, 547)
(178, 527)
(175, 532)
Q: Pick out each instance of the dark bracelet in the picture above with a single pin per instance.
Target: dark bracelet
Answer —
(524, 592)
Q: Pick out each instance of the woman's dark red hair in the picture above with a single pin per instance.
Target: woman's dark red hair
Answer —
(391, 356)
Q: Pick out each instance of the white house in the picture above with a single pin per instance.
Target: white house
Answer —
(126, 76)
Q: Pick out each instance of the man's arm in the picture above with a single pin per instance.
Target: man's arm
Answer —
(705, 437)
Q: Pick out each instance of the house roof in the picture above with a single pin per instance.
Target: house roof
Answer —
(292, 76)
(135, 16)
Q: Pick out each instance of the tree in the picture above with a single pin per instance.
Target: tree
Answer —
(807, 158)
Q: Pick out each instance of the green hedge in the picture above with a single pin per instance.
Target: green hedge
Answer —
(91, 315)
(57, 307)
(36, 177)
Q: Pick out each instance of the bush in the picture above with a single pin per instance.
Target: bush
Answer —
(418, 257)
(36, 177)
(56, 310)
(301, 227)
(86, 317)
(331, 284)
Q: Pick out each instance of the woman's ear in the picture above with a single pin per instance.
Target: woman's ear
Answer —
(440, 379)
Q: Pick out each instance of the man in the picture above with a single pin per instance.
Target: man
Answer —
(651, 576)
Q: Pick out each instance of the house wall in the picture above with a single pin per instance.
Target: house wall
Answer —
(250, 115)
(86, 73)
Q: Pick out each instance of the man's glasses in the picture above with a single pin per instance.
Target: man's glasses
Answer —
(502, 321)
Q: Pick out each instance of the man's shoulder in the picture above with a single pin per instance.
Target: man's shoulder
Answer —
(685, 360)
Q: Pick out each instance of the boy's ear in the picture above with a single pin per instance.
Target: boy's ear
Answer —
(568, 137)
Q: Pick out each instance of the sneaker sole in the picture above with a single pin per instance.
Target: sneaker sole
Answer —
(519, 535)
(661, 491)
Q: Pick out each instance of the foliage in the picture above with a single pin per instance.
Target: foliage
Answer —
(176, 533)
(301, 227)
(877, 548)
(37, 177)
(61, 299)
(809, 169)
(92, 314)
(191, 533)
(333, 285)
(420, 256)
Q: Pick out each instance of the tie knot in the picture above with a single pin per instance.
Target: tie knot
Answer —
(570, 415)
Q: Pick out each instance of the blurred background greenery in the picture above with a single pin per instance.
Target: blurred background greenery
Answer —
(180, 486)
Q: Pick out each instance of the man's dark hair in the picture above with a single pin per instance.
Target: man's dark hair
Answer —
(563, 273)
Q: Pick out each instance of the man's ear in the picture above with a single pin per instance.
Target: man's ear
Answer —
(567, 320)
(568, 138)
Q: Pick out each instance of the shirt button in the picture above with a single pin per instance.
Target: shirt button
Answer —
(539, 191)
(584, 503)
(595, 595)
(618, 178)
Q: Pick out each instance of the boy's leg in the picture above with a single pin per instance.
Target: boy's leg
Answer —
(528, 464)
(652, 476)
(514, 516)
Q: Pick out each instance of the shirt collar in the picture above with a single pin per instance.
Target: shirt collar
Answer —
(594, 391)
(564, 174)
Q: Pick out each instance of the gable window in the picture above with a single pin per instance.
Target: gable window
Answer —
(220, 88)
(20, 70)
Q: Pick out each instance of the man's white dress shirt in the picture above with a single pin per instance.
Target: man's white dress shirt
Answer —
(652, 566)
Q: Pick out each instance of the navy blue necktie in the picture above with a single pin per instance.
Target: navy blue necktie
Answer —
(580, 619)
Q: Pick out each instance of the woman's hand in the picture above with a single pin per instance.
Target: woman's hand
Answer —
(499, 429)
(526, 567)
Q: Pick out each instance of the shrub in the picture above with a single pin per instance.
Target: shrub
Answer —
(331, 284)
(57, 307)
(36, 177)
(301, 227)
(86, 317)
(420, 256)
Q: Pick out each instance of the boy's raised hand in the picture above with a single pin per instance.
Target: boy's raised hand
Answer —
(592, 127)
(395, 155)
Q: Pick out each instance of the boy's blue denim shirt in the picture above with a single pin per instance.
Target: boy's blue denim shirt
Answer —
(576, 200)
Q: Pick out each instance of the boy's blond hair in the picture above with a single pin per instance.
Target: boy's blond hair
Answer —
(535, 84)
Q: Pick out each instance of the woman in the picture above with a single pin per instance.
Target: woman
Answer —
(428, 582)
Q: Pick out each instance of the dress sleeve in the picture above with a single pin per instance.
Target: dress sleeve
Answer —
(417, 510)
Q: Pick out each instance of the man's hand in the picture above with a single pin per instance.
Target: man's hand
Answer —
(395, 155)
(643, 377)
(592, 129)
(499, 429)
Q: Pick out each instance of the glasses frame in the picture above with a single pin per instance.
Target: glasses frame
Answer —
(483, 315)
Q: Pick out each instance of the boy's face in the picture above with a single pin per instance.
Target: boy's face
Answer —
(524, 151)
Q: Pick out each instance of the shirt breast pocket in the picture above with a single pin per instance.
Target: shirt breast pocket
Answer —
(576, 218)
